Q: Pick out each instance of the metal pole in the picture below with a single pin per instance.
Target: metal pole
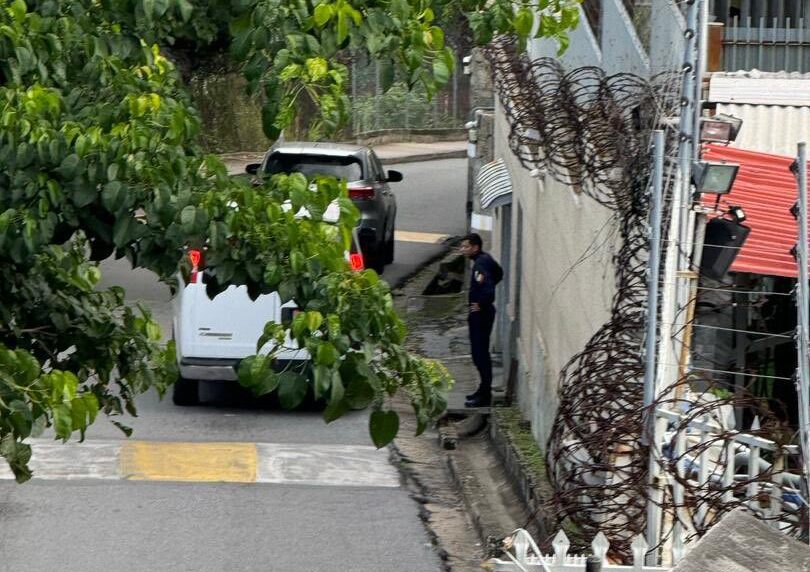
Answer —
(593, 564)
(354, 97)
(377, 94)
(653, 269)
(702, 47)
(803, 319)
(673, 294)
(455, 95)
(689, 150)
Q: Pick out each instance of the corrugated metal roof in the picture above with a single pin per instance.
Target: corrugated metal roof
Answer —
(766, 189)
(494, 184)
(758, 74)
(769, 128)
(761, 88)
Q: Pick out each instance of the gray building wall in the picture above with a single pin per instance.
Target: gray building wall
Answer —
(621, 48)
(666, 37)
(558, 296)
(583, 50)
(563, 299)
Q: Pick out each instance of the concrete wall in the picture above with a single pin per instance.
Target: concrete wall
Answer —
(583, 50)
(563, 300)
(560, 296)
(621, 49)
(621, 45)
(666, 37)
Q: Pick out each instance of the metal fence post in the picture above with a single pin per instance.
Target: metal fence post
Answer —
(377, 94)
(649, 434)
(803, 342)
(354, 97)
(593, 564)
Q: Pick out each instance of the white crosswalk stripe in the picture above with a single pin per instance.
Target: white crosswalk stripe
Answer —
(270, 463)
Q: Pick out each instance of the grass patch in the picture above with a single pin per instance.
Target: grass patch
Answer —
(520, 435)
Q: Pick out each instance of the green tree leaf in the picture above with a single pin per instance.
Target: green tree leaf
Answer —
(292, 389)
(383, 427)
(322, 14)
(524, 22)
(69, 165)
(359, 394)
(440, 71)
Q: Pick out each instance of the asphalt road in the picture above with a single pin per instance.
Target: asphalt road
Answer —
(231, 484)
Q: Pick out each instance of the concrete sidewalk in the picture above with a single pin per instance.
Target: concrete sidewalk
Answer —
(461, 466)
(389, 153)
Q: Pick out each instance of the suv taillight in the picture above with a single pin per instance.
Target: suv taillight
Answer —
(361, 193)
(288, 314)
(195, 258)
(356, 261)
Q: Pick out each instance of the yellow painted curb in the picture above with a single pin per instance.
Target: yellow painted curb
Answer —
(423, 237)
(201, 462)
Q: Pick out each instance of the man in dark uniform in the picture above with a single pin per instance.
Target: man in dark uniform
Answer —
(486, 273)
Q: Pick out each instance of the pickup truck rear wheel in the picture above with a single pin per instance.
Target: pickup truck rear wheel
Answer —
(186, 392)
(389, 250)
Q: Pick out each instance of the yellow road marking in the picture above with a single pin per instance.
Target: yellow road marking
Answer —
(201, 462)
(425, 237)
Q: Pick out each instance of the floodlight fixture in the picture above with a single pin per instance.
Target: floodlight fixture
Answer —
(720, 128)
(465, 64)
(736, 213)
(715, 177)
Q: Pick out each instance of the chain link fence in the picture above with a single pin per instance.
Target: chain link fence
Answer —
(232, 119)
(399, 108)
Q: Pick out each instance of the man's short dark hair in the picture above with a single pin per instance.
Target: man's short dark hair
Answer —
(474, 239)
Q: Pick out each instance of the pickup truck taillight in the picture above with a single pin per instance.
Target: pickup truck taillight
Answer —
(361, 193)
(195, 258)
(356, 261)
(288, 314)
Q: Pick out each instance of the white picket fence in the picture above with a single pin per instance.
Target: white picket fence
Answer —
(709, 457)
(766, 488)
(523, 555)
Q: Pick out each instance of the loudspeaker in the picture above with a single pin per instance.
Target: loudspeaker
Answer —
(722, 243)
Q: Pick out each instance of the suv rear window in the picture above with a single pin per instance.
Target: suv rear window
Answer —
(346, 168)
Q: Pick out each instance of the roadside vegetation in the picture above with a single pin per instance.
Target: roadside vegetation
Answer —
(100, 147)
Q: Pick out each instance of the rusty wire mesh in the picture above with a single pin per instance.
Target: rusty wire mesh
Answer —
(592, 130)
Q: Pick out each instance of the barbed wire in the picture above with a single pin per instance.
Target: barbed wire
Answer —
(593, 130)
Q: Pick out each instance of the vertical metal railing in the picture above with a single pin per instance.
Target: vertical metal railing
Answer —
(376, 105)
(746, 467)
(778, 43)
(779, 10)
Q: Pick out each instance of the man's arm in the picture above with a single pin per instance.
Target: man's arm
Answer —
(483, 291)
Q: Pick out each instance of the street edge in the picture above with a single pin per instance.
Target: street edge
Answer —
(419, 493)
(459, 154)
(523, 483)
(446, 246)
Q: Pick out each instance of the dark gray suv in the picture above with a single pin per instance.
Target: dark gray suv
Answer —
(368, 187)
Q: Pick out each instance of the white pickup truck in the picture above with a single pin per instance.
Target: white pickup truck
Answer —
(213, 336)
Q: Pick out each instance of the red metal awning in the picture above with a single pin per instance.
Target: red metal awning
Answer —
(766, 189)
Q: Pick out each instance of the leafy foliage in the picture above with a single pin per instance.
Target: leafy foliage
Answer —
(98, 142)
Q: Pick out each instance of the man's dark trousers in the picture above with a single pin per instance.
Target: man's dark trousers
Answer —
(480, 324)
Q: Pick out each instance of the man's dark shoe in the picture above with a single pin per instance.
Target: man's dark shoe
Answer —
(471, 396)
(479, 401)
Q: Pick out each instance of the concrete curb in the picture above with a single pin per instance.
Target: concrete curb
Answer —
(472, 508)
(460, 154)
(523, 483)
(245, 157)
(467, 486)
(447, 245)
(398, 460)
